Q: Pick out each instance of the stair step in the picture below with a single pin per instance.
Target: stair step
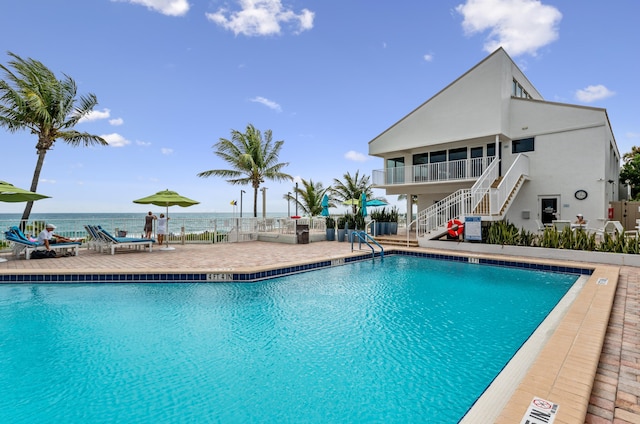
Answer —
(396, 241)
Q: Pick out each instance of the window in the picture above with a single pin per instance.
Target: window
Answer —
(518, 91)
(491, 150)
(439, 156)
(421, 159)
(523, 145)
(395, 171)
(477, 164)
(458, 154)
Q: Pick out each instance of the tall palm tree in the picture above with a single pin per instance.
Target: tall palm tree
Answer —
(309, 197)
(32, 98)
(253, 160)
(352, 188)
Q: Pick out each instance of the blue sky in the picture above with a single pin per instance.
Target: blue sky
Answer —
(174, 76)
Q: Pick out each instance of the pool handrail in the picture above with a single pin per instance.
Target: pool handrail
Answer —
(364, 237)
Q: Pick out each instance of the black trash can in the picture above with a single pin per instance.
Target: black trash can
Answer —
(302, 232)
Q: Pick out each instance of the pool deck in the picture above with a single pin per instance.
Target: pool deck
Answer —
(589, 365)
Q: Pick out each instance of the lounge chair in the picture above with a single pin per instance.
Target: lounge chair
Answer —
(20, 243)
(108, 241)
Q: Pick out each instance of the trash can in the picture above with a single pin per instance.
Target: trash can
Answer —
(302, 232)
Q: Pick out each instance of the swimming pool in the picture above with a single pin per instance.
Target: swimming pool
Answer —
(403, 340)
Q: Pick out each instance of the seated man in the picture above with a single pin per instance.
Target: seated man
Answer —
(47, 237)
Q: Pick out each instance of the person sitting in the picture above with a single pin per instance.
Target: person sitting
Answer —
(47, 237)
(580, 220)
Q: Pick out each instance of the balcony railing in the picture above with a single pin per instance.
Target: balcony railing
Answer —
(454, 170)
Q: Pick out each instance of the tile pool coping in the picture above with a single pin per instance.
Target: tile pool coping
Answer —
(222, 275)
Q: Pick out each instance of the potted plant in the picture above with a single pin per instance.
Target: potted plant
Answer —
(331, 228)
(342, 223)
(393, 221)
(350, 225)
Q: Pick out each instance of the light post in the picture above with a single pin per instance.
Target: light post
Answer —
(296, 199)
(289, 204)
(264, 202)
(241, 193)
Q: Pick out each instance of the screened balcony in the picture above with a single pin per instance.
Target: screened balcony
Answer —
(438, 172)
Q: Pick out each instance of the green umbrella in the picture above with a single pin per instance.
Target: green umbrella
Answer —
(167, 198)
(10, 193)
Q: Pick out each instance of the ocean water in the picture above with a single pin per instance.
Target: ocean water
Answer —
(72, 224)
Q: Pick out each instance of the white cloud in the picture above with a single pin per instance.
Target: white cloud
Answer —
(356, 156)
(261, 17)
(116, 122)
(46, 181)
(166, 151)
(95, 115)
(143, 143)
(115, 140)
(166, 7)
(268, 103)
(519, 26)
(632, 135)
(593, 93)
(428, 57)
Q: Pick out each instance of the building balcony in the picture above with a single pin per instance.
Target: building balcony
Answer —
(440, 172)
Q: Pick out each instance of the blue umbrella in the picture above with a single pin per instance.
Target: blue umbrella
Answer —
(376, 202)
(325, 205)
(363, 204)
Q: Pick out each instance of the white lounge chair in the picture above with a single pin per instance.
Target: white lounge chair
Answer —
(107, 241)
(20, 243)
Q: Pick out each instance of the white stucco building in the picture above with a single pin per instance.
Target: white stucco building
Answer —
(555, 159)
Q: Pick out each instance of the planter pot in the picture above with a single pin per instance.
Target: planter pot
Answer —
(349, 235)
(393, 228)
(331, 234)
(341, 233)
(385, 228)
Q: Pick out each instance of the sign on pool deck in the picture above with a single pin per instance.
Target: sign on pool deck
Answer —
(540, 411)
(473, 228)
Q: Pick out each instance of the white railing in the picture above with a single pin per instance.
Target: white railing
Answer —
(455, 170)
(180, 230)
(500, 195)
(469, 201)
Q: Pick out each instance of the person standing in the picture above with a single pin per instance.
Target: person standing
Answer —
(148, 224)
(162, 228)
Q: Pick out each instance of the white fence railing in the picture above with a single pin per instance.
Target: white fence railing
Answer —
(454, 170)
(180, 230)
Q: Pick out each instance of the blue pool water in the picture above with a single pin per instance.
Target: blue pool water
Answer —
(400, 340)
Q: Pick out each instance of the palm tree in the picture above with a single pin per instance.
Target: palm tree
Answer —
(32, 98)
(309, 197)
(352, 188)
(253, 160)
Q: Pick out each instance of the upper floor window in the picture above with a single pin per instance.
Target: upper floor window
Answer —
(518, 91)
(523, 145)
(395, 163)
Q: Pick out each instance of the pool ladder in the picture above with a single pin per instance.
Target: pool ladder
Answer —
(366, 238)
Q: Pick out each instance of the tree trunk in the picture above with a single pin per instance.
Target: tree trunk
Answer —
(34, 187)
(255, 202)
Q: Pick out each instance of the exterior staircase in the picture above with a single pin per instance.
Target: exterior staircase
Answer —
(490, 198)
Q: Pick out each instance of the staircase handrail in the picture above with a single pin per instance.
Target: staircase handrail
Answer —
(483, 185)
(500, 195)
